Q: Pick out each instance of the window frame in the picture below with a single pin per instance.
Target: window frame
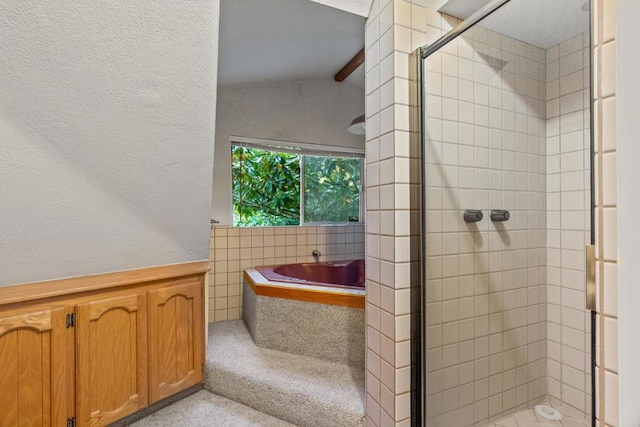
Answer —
(303, 149)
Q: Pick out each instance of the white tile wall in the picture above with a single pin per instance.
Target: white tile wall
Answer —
(606, 212)
(474, 106)
(388, 39)
(568, 222)
(233, 249)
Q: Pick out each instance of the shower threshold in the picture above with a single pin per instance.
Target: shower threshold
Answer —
(532, 418)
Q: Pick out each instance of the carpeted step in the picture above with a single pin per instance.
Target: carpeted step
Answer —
(298, 389)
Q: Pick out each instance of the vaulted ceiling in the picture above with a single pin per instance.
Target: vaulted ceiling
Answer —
(280, 40)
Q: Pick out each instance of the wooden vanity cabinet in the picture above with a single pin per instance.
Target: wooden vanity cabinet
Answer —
(96, 355)
(36, 358)
(111, 363)
(176, 350)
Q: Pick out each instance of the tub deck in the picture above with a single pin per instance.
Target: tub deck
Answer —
(335, 274)
(322, 294)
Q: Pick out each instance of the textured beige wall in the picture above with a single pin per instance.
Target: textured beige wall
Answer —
(107, 112)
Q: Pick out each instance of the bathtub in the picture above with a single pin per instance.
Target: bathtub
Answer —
(313, 309)
(347, 274)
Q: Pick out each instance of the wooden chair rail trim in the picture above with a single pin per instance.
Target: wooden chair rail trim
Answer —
(310, 295)
(76, 285)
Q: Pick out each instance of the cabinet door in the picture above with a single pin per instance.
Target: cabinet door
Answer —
(111, 353)
(36, 368)
(176, 338)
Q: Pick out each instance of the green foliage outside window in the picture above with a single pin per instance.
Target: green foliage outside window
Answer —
(267, 185)
(331, 189)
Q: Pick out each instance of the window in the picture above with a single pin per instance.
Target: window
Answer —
(266, 187)
(293, 185)
(331, 189)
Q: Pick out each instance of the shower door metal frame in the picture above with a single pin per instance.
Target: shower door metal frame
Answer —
(418, 198)
(418, 250)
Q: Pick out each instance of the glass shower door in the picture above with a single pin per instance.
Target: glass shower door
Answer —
(507, 214)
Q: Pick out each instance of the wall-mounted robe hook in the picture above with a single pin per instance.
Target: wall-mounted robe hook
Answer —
(472, 215)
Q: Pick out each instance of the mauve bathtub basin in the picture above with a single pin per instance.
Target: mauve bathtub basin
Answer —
(342, 274)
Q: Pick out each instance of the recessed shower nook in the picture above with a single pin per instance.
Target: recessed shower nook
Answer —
(502, 113)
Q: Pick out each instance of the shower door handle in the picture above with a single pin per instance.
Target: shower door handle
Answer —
(590, 270)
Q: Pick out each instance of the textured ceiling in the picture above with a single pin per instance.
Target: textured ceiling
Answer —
(279, 40)
(359, 7)
(543, 23)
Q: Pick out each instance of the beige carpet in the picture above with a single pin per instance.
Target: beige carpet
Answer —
(206, 409)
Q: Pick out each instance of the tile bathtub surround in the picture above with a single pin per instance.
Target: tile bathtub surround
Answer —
(568, 222)
(233, 249)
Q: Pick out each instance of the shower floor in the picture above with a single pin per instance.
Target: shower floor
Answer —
(529, 418)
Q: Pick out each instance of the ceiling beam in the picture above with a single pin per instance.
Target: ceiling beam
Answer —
(351, 66)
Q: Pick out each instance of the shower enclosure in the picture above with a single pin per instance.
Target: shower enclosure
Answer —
(502, 119)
